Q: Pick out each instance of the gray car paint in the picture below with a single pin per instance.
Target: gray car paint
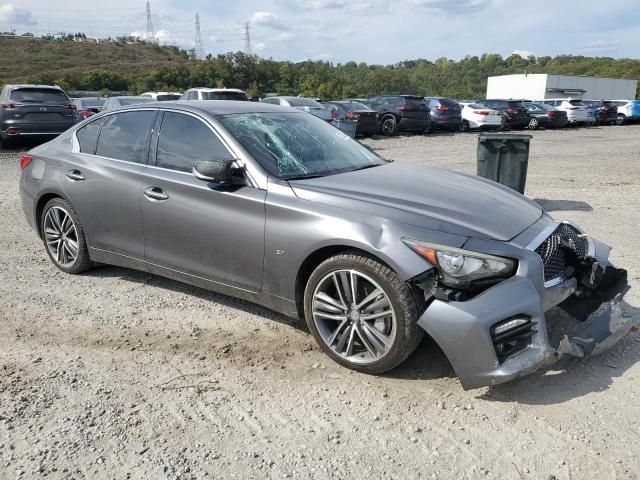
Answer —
(253, 240)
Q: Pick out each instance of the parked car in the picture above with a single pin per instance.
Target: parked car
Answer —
(162, 96)
(475, 116)
(268, 204)
(545, 116)
(628, 111)
(513, 111)
(33, 110)
(87, 106)
(113, 103)
(401, 113)
(215, 94)
(577, 112)
(446, 114)
(308, 105)
(366, 117)
(604, 111)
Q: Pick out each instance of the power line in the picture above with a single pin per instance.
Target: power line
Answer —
(150, 32)
(197, 44)
(247, 38)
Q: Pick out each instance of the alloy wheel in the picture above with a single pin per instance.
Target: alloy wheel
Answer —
(61, 236)
(388, 126)
(354, 316)
(533, 123)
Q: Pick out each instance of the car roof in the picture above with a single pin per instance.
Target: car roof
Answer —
(218, 107)
(28, 85)
(127, 96)
(207, 89)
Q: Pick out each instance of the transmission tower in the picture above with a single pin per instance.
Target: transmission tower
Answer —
(197, 43)
(150, 35)
(247, 38)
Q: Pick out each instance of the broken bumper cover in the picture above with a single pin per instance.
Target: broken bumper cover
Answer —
(463, 330)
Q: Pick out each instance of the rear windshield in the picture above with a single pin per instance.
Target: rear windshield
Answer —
(515, 104)
(475, 105)
(39, 95)
(415, 101)
(90, 102)
(576, 103)
(447, 102)
(133, 101)
(224, 96)
(162, 98)
(353, 106)
(303, 102)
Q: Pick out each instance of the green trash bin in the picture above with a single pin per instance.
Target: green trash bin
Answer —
(503, 158)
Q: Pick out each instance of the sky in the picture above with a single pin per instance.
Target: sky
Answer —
(372, 31)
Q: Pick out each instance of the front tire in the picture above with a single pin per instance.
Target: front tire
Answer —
(361, 313)
(64, 238)
(533, 123)
(464, 126)
(621, 119)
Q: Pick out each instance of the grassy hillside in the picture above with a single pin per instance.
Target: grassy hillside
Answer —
(24, 59)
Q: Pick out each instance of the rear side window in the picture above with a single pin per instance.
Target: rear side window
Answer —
(576, 103)
(224, 96)
(185, 139)
(39, 95)
(125, 136)
(88, 136)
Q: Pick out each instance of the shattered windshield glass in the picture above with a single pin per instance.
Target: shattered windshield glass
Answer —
(298, 145)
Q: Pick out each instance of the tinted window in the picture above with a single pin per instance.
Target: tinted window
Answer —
(88, 136)
(185, 139)
(125, 136)
(167, 97)
(448, 102)
(576, 103)
(89, 102)
(39, 95)
(224, 96)
(303, 102)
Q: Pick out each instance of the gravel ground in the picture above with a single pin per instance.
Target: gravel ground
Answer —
(121, 374)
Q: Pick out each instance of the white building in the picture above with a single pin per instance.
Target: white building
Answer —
(538, 86)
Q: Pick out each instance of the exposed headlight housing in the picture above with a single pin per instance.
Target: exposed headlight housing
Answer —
(459, 268)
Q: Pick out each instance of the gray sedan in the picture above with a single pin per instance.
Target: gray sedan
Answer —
(277, 207)
(113, 103)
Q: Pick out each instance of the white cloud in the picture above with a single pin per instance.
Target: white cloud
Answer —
(10, 15)
(323, 56)
(601, 46)
(452, 6)
(525, 54)
(259, 46)
(267, 19)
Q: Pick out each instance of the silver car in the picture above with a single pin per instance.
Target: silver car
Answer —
(277, 207)
(308, 105)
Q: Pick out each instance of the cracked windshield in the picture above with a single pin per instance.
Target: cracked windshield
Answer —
(298, 145)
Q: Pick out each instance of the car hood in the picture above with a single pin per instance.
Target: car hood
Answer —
(427, 197)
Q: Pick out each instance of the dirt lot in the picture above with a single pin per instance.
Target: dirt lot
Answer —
(120, 374)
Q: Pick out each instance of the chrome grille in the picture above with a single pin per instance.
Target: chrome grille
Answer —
(554, 250)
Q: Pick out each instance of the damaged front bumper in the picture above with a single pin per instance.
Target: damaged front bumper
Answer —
(467, 331)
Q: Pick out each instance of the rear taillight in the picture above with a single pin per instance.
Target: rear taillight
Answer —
(552, 114)
(10, 105)
(404, 108)
(511, 110)
(25, 160)
(441, 108)
(352, 115)
(481, 112)
(87, 113)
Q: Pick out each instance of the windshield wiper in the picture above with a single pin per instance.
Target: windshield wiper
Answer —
(303, 177)
(363, 167)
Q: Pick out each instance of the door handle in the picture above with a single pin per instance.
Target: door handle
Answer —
(155, 194)
(75, 175)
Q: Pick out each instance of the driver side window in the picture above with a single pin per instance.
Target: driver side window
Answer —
(184, 140)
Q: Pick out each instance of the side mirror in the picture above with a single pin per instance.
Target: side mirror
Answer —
(218, 171)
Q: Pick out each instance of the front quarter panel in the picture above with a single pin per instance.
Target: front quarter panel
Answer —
(296, 228)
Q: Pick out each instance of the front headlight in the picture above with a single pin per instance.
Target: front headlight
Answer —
(458, 268)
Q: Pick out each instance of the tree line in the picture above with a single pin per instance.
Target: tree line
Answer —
(465, 78)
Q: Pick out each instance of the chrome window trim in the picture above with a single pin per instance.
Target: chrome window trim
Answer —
(256, 177)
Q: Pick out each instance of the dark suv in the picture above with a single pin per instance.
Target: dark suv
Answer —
(446, 114)
(604, 111)
(512, 110)
(30, 110)
(401, 113)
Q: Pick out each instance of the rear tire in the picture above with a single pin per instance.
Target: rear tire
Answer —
(389, 126)
(533, 123)
(621, 119)
(375, 344)
(464, 126)
(63, 237)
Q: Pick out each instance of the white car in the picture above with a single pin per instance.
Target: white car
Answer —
(215, 94)
(476, 116)
(577, 112)
(628, 110)
(162, 96)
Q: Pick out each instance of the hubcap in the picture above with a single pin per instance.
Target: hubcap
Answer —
(354, 316)
(61, 236)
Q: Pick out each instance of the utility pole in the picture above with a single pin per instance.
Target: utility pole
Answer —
(197, 43)
(247, 38)
(150, 35)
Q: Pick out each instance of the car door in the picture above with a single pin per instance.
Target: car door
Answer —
(204, 229)
(102, 179)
